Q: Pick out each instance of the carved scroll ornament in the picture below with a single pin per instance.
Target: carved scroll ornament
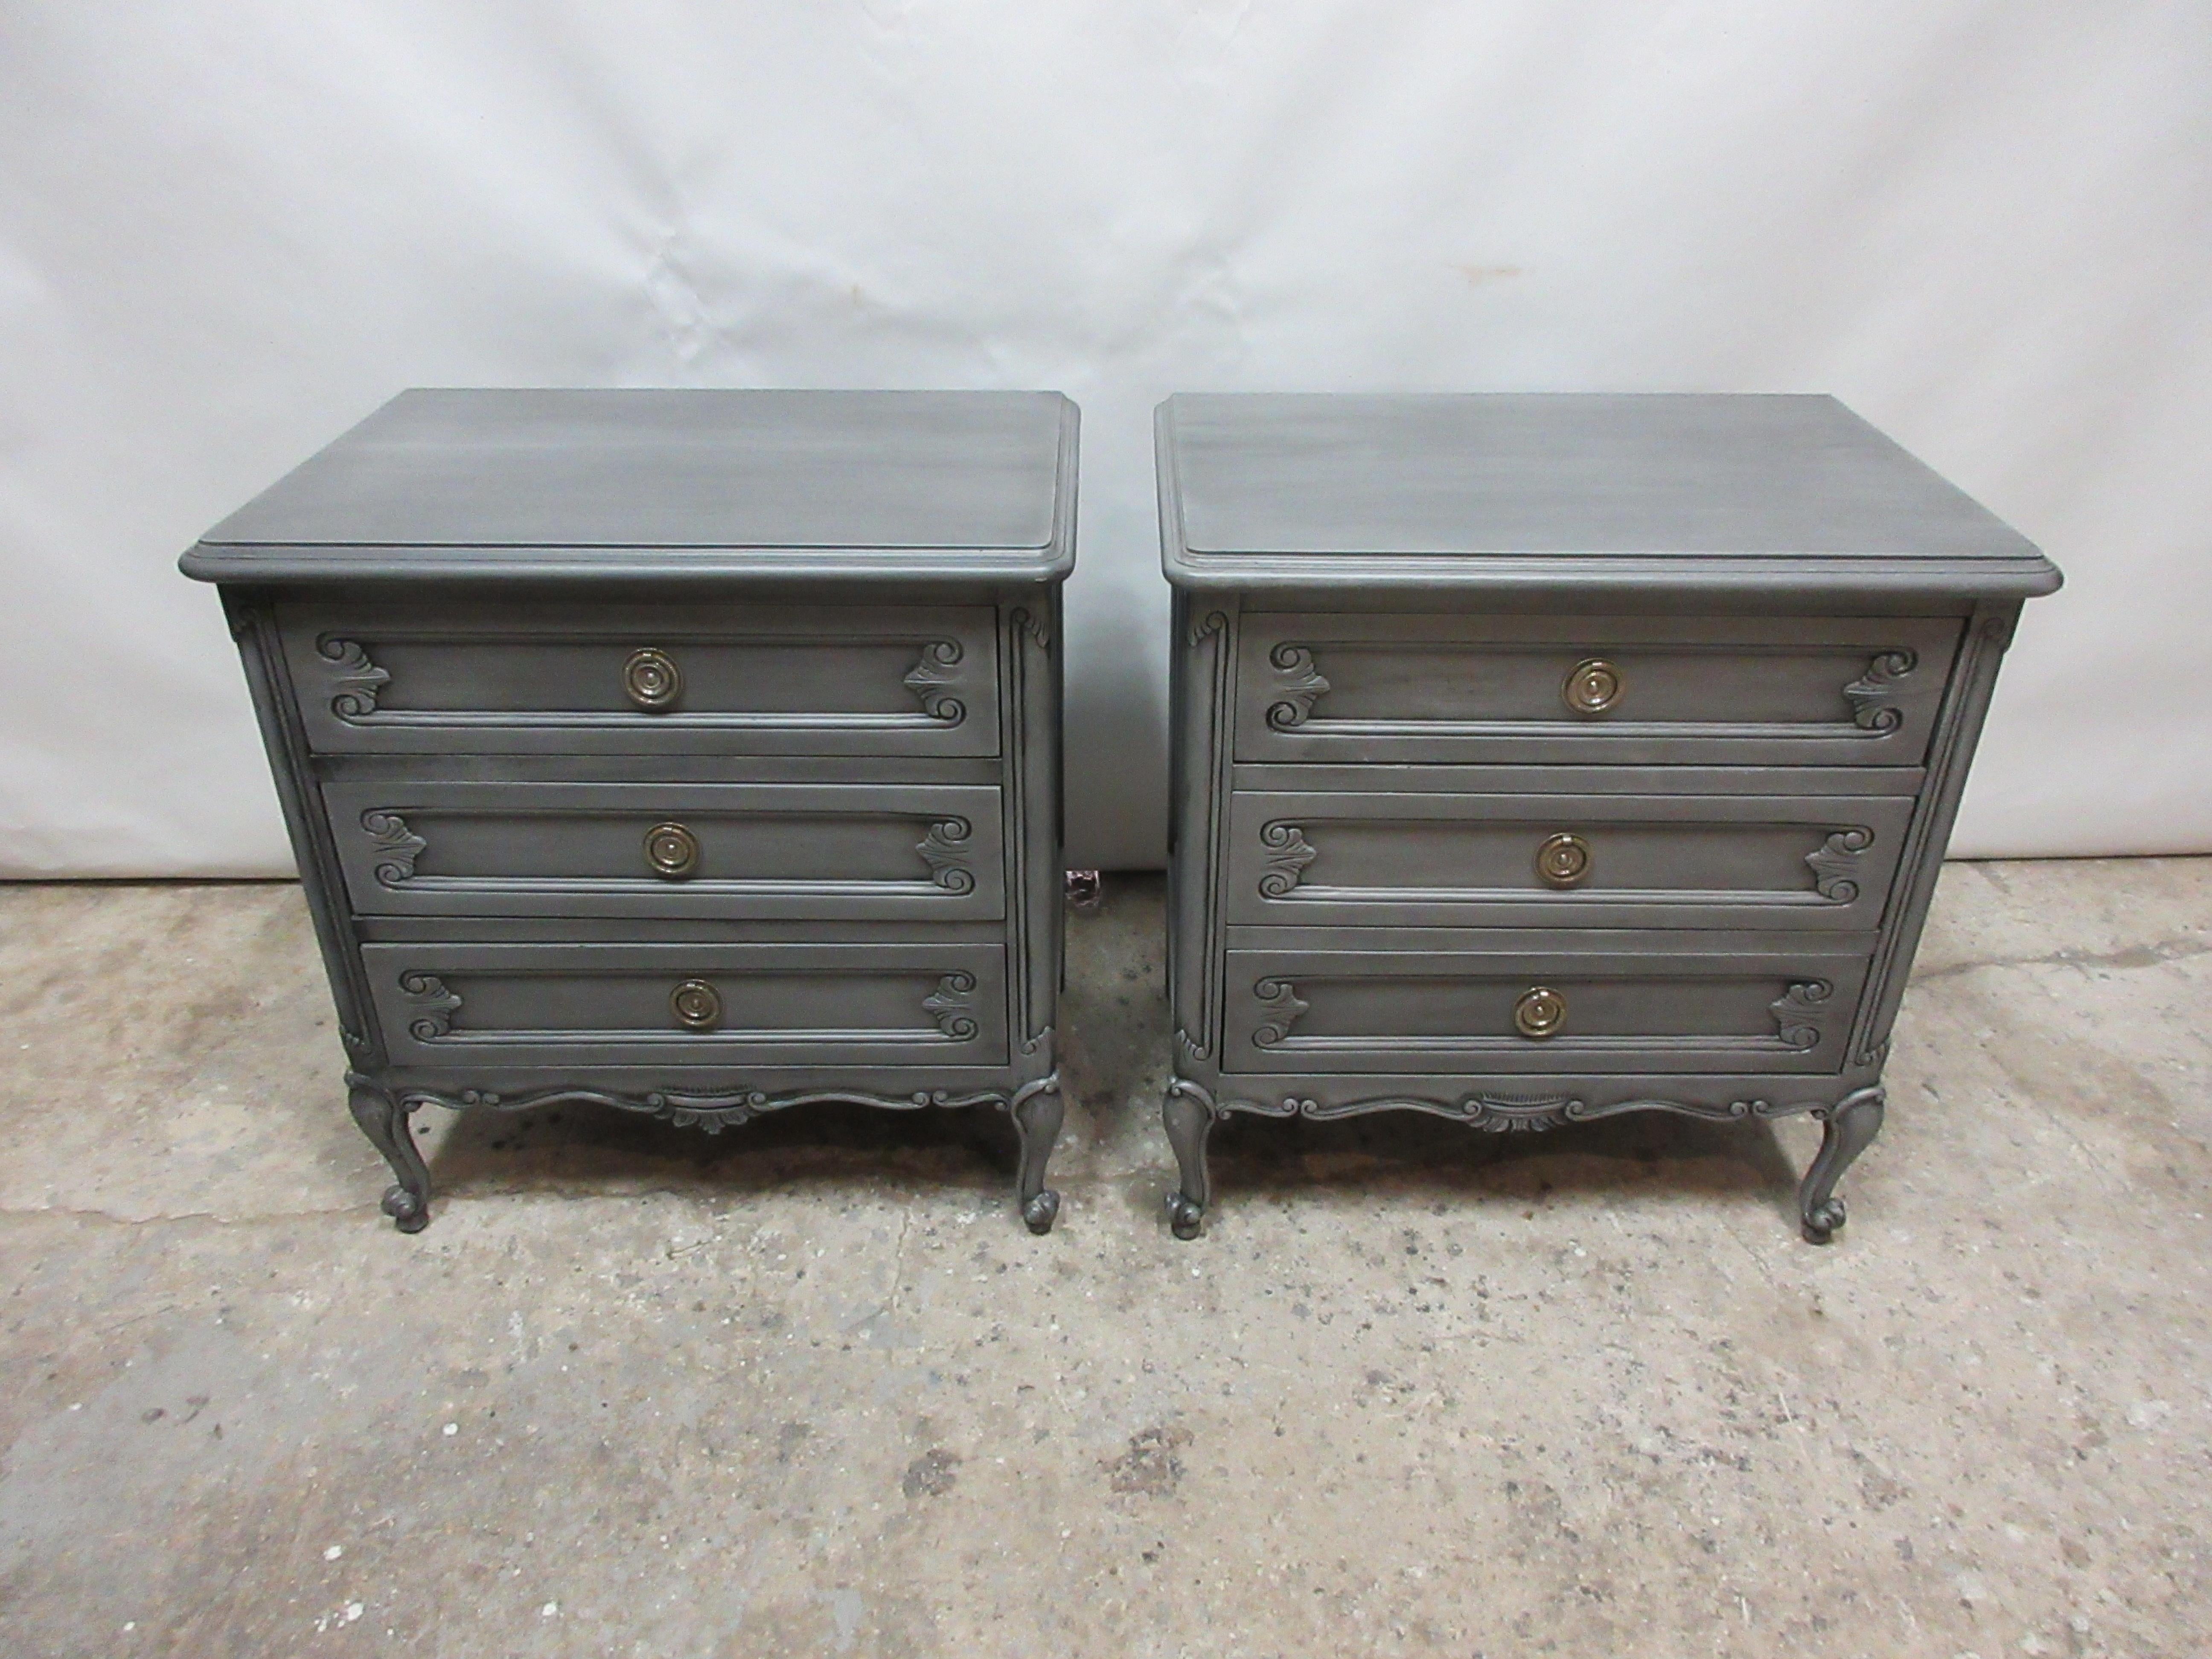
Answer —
(928, 677)
(1289, 852)
(1872, 695)
(1835, 863)
(1298, 686)
(352, 680)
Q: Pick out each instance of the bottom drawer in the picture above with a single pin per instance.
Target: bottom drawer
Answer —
(1787, 1009)
(721, 1005)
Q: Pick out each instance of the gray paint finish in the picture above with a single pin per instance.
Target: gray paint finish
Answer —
(678, 468)
(471, 676)
(811, 851)
(1734, 653)
(1472, 490)
(1568, 474)
(1697, 690)
(1433, 859)
(548, 840)
(586, 1006)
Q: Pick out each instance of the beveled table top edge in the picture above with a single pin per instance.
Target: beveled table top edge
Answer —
(216, 562)
(1809, 574)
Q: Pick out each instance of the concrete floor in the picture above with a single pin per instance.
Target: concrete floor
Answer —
(809, 1387)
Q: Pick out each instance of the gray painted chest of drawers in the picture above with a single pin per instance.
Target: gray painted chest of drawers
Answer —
(695, 753)
(1542, 758)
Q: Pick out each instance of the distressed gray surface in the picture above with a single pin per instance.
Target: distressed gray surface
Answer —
(809, 1388)
(480, 467)
(1696, 473)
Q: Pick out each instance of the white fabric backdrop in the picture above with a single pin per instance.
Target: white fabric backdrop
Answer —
(229, 230)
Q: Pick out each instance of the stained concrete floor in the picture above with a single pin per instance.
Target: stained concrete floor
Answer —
(809, 1387)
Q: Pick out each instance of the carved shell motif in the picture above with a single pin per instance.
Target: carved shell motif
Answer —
(432, 1004)
(713, 1112)
(1278, 1000)
(945, 850)
(926, 680)
(1499, 1114)
(353, 680)
(398, 845)
(1800, 1012)
(1289, 854)
(951, 1006)
(1298, 686)
(1835, 864)
(1870, 694)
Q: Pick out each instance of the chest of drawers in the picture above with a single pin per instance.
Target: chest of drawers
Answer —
(1542, 758)
(693, 753)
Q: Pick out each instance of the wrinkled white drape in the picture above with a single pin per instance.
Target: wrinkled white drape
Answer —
(229, 230)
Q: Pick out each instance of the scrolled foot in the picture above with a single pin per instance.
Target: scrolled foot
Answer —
(1187, 1113)
(1040, 1210)
(1821, 1222)
(1185, 1219)
(1037, 1111)
(1852, 1125)
(408, 1212)
(383, 1117)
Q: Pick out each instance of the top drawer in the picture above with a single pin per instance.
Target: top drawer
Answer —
(1615, 691)
(704, 677)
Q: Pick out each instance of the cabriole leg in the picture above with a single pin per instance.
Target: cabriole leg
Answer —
(1852, 1126)
(383, 1119)
(1189, 1113)
(1037, 1109)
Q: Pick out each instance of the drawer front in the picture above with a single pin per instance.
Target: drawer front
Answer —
(1431, 859)
(1771, 1010)
(753, 852)
(721, 1005)
(703, 678)
(1721, 691)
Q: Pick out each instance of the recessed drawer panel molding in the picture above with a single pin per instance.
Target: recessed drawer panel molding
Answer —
(1812, 691)
(671, 678)
(755, 852)
(1441, 860)
(692, 1005)
(1321, 1011)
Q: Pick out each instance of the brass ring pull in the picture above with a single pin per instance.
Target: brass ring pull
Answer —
(1540, 1012)
(671, 850)
(652, 680)
(1593, 686)
(697, 1005)
(1564, 861)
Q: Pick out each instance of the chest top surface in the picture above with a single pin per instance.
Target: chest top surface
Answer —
(623, 483)
(1468, 491)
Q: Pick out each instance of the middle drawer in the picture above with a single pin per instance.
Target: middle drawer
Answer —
(1433, 858)
(738, 851)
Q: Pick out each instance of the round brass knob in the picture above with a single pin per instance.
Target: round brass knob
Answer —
(697, 1005)
(651, 679)
(1540, 1012)
(1592, 686)
(1564, 861)
(671, 850)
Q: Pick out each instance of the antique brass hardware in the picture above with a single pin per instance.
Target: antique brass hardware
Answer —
(1593, 686)
(671, 850)
(1540, 1012)
(1564, 861)
(697, 1005)
(651, 679)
